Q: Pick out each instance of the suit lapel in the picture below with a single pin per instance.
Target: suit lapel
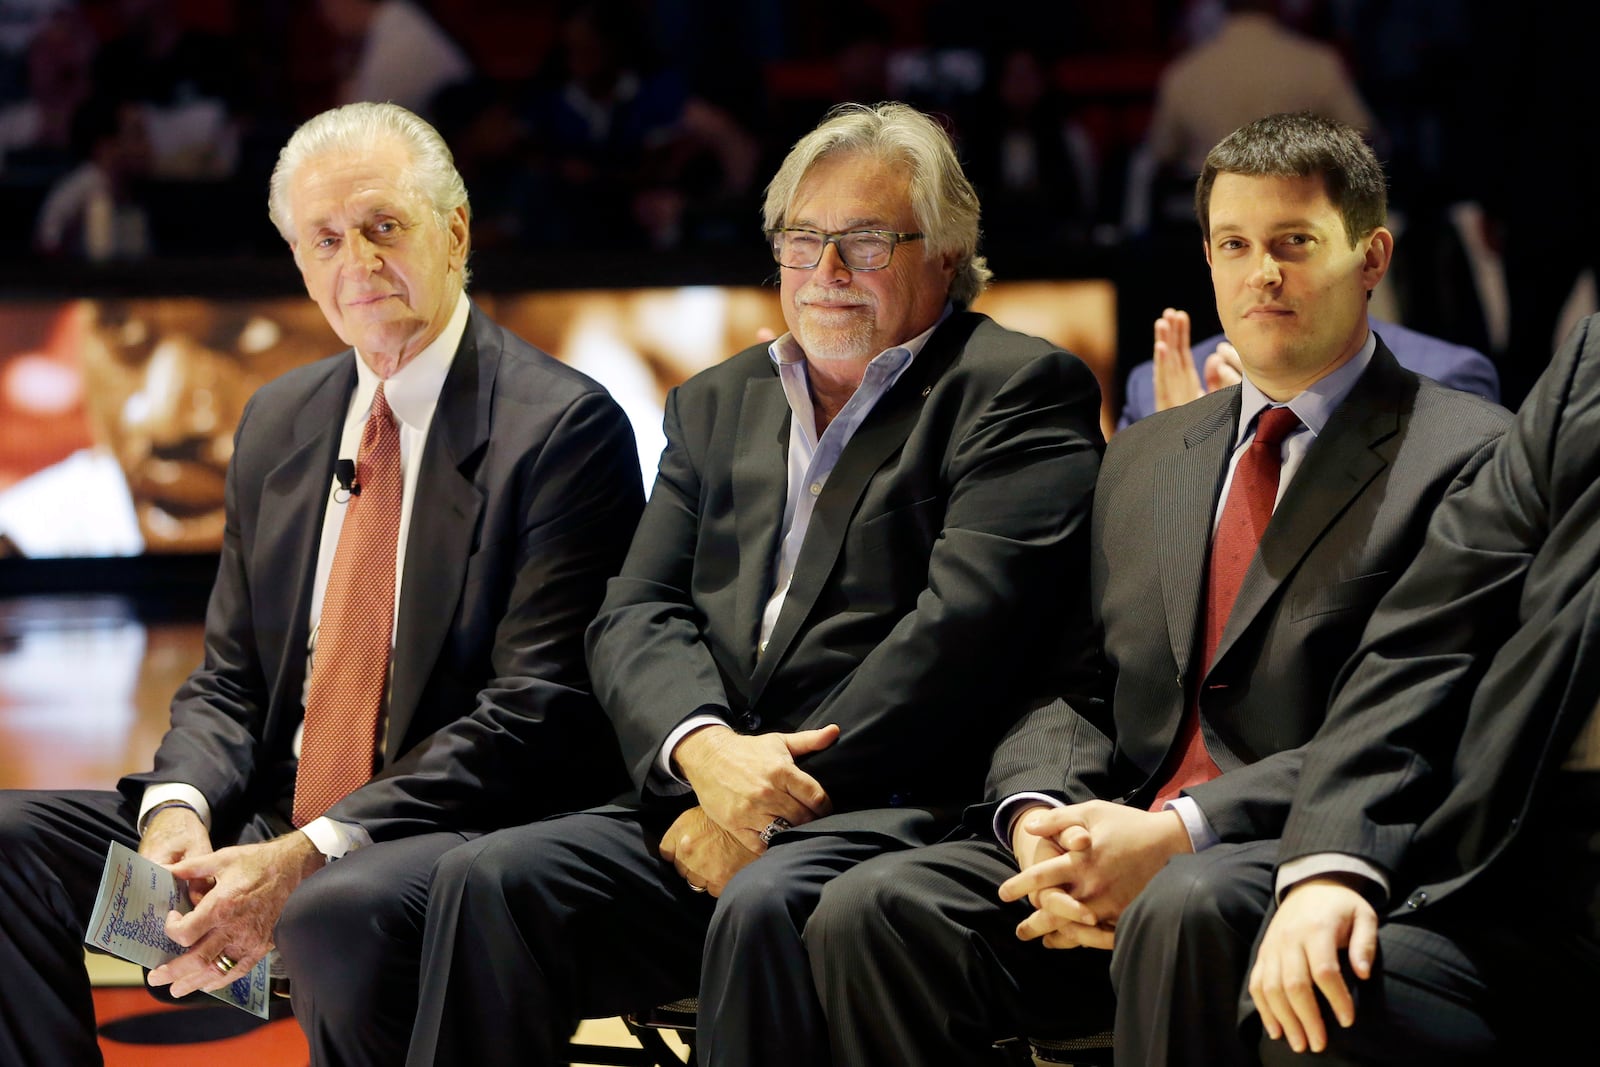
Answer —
(882, 434)
(294, 496)
(1342, 462)
(760, 490)
(444, 521)
(1184, 499)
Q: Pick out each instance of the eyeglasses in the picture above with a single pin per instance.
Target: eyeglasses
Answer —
(802, 249)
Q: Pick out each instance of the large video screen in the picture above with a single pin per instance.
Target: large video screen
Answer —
(117, 415)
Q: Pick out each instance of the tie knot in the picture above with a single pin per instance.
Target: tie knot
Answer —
(1273, 425)
(380, 404)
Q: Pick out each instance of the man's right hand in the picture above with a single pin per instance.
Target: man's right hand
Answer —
(175, 833)
(1176, 382)
(744, 782)
(1299, 956)
(1058, 920)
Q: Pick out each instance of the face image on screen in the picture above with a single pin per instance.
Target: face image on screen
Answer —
(117, 415)
(138, 399)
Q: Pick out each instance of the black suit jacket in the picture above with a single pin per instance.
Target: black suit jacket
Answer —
(942, 569)
(1347, 525)
(1482, 664)
(528, 493)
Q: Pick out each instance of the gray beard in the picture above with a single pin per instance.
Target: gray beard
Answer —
(838, 346)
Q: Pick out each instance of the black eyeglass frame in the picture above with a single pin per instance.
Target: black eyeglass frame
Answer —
(894, 238)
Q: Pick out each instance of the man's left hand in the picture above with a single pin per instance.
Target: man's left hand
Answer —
(1110, 853)
(249, 886)
(703, 853)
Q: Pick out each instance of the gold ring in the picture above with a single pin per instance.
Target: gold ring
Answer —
(695, 888)
(223, 963)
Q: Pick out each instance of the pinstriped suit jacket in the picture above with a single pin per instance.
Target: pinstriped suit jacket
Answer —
(1346, 527)
(1480, 667)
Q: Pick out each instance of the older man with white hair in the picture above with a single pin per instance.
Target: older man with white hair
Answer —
(418, 530)
(865, 546)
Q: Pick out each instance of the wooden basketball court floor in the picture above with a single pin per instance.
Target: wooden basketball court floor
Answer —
(84, 690)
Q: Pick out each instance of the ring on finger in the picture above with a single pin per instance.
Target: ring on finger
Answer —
(777, 826)
(694, 888)
(223, 963)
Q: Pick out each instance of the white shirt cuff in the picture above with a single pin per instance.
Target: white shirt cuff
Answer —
(1318, 864)
(1201, 835)
(665, 779)
(1014, 807)
(162, 792)
(335, 839)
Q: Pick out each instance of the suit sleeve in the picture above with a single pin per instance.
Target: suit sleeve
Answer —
(535, 742)
(1055, 750)
(645, 646)
(1005, 610)
(1384, 757)
(1252, 802)
(213, 743)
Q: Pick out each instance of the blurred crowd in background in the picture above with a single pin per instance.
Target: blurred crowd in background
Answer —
(140, 129)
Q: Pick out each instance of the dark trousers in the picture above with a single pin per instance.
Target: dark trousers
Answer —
(351, 936)
(1183, 954)
(917, 961)
(533, 928)
(52, 854)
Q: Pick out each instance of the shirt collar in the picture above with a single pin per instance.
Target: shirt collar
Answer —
(1316, 403)
(413, 390)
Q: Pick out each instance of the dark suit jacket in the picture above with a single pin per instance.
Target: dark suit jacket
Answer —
(1348, 524)
(1457, 366)
(942, 568)
(528, 493)
(1482, 664)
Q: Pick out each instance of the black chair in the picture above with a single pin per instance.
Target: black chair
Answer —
(646, 1028)
(1079, 1050)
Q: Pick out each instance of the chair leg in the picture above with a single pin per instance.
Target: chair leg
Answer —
(650, 1039)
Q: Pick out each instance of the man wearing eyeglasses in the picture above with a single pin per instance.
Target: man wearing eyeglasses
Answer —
(864, 555)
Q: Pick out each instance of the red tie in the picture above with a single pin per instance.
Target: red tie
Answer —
(350, 666)
(1245, 515)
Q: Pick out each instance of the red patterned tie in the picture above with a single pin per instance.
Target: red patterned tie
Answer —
(350, 667)
(1245, 515)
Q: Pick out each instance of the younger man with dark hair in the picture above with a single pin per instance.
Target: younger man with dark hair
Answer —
(1237, 545)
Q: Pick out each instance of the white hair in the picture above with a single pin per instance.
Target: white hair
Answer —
(942, 199)
(360, 128)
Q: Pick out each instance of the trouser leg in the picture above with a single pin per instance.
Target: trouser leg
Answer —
(351, 936)
(916, 961)
(533, 928)
(52, 854)
(758, 1004)
(1183, 955)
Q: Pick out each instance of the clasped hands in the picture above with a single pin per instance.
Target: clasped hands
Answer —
(237, 893)
(1082, 865)
(744, 783)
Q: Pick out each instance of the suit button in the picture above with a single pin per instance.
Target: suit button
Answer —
(752, 721)
(1417, 899)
